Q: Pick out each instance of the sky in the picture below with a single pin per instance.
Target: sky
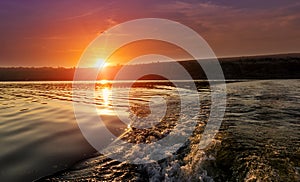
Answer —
(56, 33)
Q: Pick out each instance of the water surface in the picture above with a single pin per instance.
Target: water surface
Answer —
(258, 139)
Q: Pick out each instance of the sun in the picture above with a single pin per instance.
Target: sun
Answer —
(101, 63)
(103, 82)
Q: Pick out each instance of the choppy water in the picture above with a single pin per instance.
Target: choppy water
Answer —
(259, 139)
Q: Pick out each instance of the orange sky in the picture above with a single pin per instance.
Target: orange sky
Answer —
(48, 33)
(139, 48)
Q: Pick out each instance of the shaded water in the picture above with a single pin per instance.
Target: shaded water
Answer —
(259, 139)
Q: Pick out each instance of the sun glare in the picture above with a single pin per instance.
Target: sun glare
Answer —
(101, 63)
(103, 82)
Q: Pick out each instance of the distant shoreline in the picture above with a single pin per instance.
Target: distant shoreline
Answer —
(281, 66)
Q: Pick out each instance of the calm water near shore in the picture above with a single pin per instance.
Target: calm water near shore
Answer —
(259, 139)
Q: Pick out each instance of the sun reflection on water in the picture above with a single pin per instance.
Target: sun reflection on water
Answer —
(104, 95)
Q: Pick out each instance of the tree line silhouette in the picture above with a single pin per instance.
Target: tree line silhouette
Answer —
(256, 67)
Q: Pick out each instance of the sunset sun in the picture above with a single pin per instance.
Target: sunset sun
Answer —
(101, 63)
